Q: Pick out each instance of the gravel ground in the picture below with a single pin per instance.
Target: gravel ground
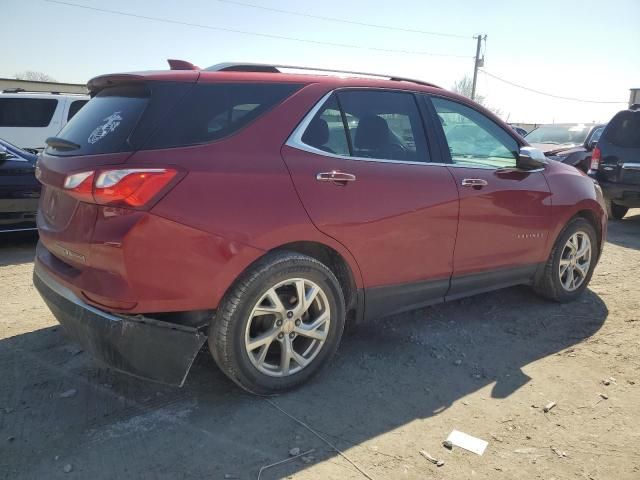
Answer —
(484, 365)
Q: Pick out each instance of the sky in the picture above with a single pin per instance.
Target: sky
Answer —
(588, 50)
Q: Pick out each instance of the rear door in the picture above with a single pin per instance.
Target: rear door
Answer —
(362, 167)
(504, 212)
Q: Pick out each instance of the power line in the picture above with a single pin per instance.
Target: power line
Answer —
(544, 93)
(342, 20)
(256, 34)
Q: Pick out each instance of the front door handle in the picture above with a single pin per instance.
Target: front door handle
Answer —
(335, 176)
(474, 182)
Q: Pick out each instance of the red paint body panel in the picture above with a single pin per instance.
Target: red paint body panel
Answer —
(573, 192)
(398, 220)
(503, 224)
(247, 194)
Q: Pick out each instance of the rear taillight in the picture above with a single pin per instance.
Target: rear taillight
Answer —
(130, 187)
(595, 159)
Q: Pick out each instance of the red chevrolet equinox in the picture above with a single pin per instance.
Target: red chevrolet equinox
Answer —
(261, 210)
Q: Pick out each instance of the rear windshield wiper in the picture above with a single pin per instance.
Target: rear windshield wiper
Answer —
(61, 144)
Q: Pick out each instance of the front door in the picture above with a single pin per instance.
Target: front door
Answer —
(361, 165)
(505, 212)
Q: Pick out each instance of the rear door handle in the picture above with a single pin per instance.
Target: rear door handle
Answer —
(474, 182)
(336, 176)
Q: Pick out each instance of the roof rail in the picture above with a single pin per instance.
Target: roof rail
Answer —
(52, 92)
(262, 67)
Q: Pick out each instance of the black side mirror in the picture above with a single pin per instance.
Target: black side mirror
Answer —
(3, 153)
(531, 158)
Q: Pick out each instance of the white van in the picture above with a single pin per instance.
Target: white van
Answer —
(27, 119)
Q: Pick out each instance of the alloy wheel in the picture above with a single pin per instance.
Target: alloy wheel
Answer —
(575, 261)
(287, 327)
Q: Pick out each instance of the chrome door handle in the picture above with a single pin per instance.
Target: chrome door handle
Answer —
(336, 177)
(474, 182)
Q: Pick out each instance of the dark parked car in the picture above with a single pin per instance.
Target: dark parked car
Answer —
(19, 189)
(261, 210)
(615, 162)
(570, 143)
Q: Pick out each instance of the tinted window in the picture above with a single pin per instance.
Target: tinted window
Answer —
(213, 111)
(326, 131)
(384, 125)
(27, 112)
(474, 139)
(624, 129)
(74, 107)
(105, 123)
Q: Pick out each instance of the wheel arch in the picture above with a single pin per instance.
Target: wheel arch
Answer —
(337, 263)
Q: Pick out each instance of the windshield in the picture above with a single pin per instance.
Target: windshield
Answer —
(559, 134)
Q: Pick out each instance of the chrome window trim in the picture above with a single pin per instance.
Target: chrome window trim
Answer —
(295, 140)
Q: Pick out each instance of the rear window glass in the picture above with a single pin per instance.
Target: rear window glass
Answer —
(624, 129)
(105, 123)
(213, 111)
(27, 112)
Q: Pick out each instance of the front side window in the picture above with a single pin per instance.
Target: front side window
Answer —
(27, 112)
(474, 140)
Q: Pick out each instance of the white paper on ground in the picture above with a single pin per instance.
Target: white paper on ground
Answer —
(463, 440)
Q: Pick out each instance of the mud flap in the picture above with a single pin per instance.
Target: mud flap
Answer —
(139, 346)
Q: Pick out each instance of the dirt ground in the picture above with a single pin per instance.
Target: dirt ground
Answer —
(484, 365)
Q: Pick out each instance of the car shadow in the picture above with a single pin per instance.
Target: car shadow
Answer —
(64, 408)
(17, 247)
(625, 232)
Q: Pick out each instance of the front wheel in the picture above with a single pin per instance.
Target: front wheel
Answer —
(616, 211)
(279, 325)
(570, 266)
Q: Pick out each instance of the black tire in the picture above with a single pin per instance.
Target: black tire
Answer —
(548, 283)
(616, 211)
(227, 330)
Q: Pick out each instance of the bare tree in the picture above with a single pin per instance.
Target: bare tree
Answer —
(34, 76)
(464, 87)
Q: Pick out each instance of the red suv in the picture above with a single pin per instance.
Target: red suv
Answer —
(261, 210)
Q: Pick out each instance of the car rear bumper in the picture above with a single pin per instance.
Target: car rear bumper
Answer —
(139, 346)
(626, 194)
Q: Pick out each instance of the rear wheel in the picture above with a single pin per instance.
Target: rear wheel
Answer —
(570, 266)
(279, 325)
(616, 211)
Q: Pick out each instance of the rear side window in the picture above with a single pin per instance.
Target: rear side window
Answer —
(27, 112)
(326, 131)
(624, 129)
(213, 111)
(75, 106)
(384, 125)
(106, 122)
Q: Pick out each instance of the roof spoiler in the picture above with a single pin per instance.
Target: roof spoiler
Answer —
(181, 65)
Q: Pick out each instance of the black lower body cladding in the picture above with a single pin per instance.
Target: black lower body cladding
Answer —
(139, 346)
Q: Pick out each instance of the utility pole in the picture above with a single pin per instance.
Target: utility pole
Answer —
(479, 62)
